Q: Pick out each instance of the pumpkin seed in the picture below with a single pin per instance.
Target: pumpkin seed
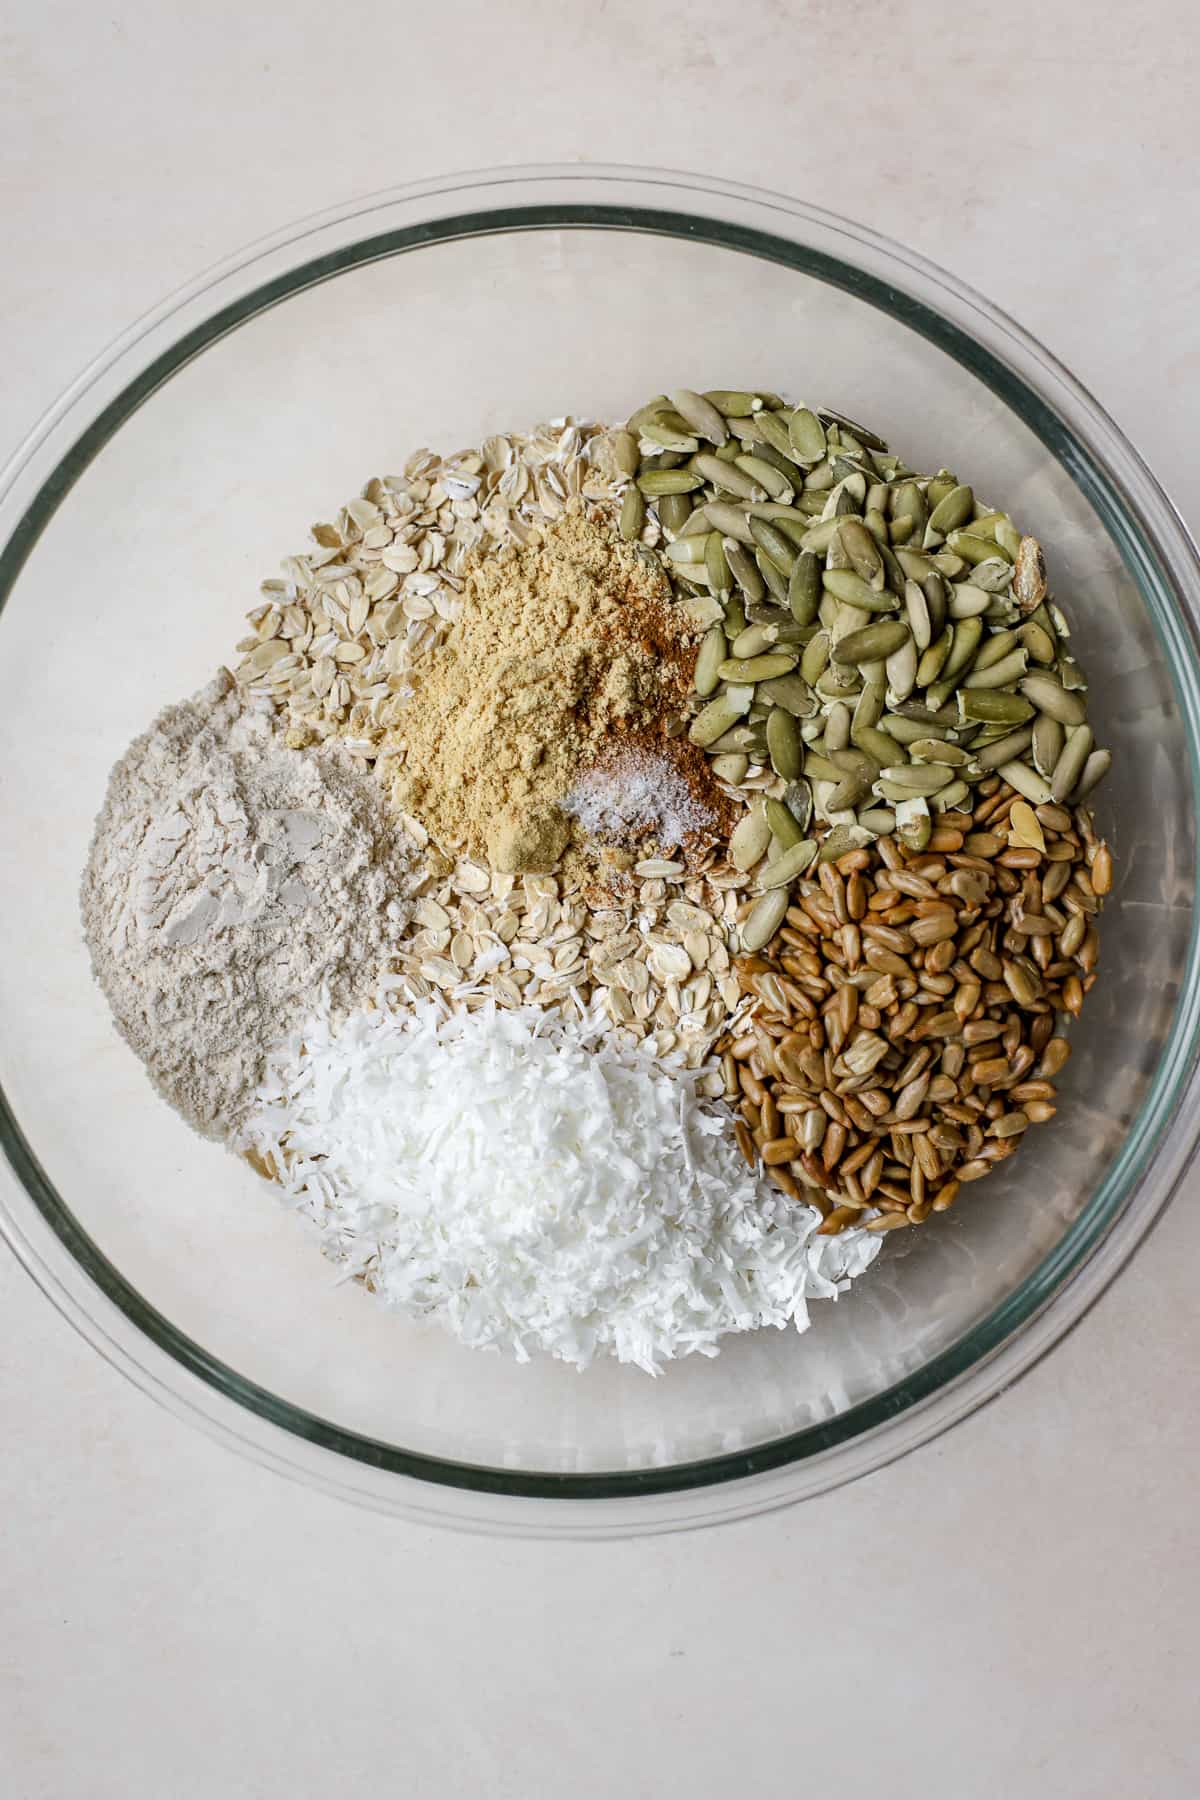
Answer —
(668, 436)
(791, 692)
(904, 779)
(804, 588)
(1000, 673)
(731, 767)
(757, 668)
(633, 514)
(774, 545)
(1049, 736)
(773, 578)
(729, 520)
(783, 744)
(709, 657)
(774, 430)
(871, 642)
(749, 839)
(1094, 770)
(716, 563)
(733, 403)
(787, 866)
(785, 828)
(625, 452)
(815, 659)
(1004, 749)
(701, 414)
(764, 919)
(1070, 764)
(669, 481)
(952, 511)
(902, 672)
(688, 549)
(807, 436)
(991, 707)
(715, 719)
(1026, 780)
(766, 476)
(1049, 696)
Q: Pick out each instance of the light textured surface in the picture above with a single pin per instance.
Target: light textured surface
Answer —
(1017, 1601)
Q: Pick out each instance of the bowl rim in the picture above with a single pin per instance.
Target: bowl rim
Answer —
(1162, 560)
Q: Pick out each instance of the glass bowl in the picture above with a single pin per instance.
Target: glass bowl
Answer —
(137, 522)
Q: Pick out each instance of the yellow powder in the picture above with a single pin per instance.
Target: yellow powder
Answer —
(561, 647)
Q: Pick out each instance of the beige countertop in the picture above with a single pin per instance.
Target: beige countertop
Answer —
(1010, 1612)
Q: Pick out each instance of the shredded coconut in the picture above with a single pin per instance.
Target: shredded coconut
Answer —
(229, 881)
(641, 793)
(535, 1186)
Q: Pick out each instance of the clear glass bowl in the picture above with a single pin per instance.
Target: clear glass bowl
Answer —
(136, 524)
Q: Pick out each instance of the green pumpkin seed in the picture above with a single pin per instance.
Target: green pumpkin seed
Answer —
(646, 415)
(807, 436)
(1049, 696)
(1071, 675)
(784, 827)
(731, 767)
(847, 585)
(916, 609)
(935, 750)
(1094, 770)
(774, 545)
(805, 587)
(726, 476)
(1026, 780)
(716, 563)
(783, 744)
(819, 768)
(952, 511)
(625, 452)
(669, 437)
(950, 797)
(687, 549)
(764, 919)
(709, 657)
(729, 520)
(815, 658)
(773, 577)
(872, 642)
(700, 414)
(791, 692)
(675, 512)
(753, 641)
(1049, 737)
(749, 840)
(757, 668)
(902, 780)
(633, 514)
(797, 798)
(1070, 765)
(880, 745)
(992, 708)
(718, 717)
(744, 570)
(774, 431)
(732, 403)
(669, 481)
(1005, 749)
(880, 821)
(790, 864)
(999, 674)
(862, 550)
(1038, 642)
(766, 476)
(902, 672)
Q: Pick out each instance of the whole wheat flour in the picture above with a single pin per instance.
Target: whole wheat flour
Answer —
(231, 881)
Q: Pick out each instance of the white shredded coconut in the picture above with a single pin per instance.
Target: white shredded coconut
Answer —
(535, 1186)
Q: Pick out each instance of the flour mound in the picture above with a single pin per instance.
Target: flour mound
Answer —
(232, 881)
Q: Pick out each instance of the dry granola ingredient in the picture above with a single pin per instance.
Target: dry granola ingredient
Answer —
(560, 646)
(665, 793)
(231, 881)
(536, 1187)
(905, 1024)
